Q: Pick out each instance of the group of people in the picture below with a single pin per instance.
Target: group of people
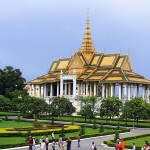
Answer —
(146, 146)
(120, 144)
(44, 143)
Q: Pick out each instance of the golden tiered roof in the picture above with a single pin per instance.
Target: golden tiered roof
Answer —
(89, 65)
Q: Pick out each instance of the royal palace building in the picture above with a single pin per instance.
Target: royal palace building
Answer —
(88, 72)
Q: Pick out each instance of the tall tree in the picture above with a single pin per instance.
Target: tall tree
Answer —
(110, 107)
(88, 106)
(5, 103)
(60, 106)
(10, 79)
(136, 109)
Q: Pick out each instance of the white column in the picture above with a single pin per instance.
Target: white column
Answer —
(74, 86)
(65, 88)
(103, 91)
(90, 88)
(112, 90)
(33, 90)
(39, 91)
(79, 89)
(126, 91)
(107, 90)
(42, 94)
(143, 91)
(129, 92)
(87, 92)
(51, 90)
(148, 93)
(69, 88)
(45, 90)
(120, 91)
(57, 88)
(135, 91)
(61, 86)
(94, 88)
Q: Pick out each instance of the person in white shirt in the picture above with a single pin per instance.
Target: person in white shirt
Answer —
(133, 147)
(42, 147)
(33, 146)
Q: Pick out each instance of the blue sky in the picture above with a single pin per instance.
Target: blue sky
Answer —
(33, 33)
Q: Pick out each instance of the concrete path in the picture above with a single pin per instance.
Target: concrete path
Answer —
(86, 143)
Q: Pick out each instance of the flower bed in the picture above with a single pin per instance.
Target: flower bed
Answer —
(8, 132)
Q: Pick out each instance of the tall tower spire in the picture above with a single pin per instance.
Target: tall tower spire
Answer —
(87, 48)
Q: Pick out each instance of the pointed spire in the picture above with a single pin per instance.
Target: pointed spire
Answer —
(87, 44)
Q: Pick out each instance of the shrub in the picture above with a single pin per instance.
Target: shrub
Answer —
(101, 129)
(37, 124)
(116, 136)
(82, 130)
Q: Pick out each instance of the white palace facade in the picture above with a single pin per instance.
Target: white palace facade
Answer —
(87, 73)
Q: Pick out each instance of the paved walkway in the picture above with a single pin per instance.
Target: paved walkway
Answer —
(86, 143)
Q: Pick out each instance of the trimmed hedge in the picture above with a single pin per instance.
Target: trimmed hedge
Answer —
(39, 132)
(147, 122)
(111, 143)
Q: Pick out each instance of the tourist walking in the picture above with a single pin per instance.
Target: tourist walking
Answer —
(59, 142)
(53, 145)
(78, 138)
(133, 147)
(42, 146)
(40, 140)
(33, 147)
(122, 144)
(93, 146)
(46, 142)
(30, 142)
(68, 143)
(52, 135)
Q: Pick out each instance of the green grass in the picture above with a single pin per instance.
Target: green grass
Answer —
(8, 113)
(138, 142)
(15, 124)
(14, 140)
(109, 122)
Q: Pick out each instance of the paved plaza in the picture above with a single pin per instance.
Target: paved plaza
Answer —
(86, 143)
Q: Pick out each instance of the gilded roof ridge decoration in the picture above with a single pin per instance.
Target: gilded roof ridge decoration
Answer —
(52, 65)
(91, 73)
(115, 60)
(106, 74)
(125, 75)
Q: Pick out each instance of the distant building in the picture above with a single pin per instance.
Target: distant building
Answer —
(87, 73)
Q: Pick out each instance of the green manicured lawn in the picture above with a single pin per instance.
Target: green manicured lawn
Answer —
(8, 113)
(138, 142)
(14, 140)
(14, 124)
(112, 122)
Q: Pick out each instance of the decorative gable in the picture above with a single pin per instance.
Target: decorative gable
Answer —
(126, 64)
(75, 62)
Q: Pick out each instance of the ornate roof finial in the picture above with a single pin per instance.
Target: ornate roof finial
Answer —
(88, 13)
(87, 44)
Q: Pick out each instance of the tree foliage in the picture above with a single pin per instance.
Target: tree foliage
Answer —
(10, 79)
(5, 103)
(136, 109)
(88, 106)
(110, 107)
(60, 106)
